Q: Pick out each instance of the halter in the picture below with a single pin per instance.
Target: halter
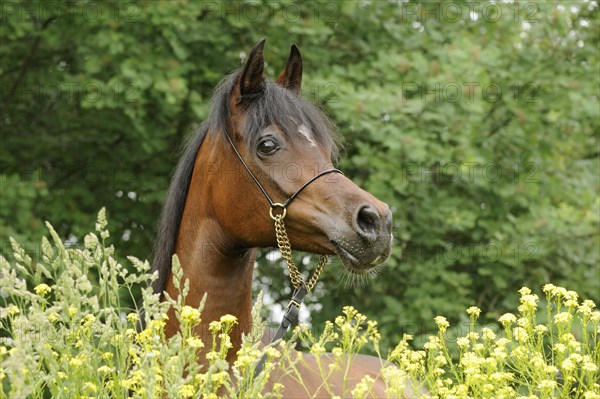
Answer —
(301, 287)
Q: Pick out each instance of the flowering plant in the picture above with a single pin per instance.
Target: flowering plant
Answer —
(66, 334)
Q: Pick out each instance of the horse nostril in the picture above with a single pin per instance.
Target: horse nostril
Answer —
(367, 223)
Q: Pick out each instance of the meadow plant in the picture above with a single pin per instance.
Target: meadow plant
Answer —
(556, 359)
(66, 334)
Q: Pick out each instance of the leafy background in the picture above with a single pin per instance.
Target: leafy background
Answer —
(477, 122)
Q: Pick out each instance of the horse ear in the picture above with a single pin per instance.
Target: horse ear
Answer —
(252, 76)
(291, 77)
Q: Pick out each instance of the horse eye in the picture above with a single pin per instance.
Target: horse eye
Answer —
(267, 147)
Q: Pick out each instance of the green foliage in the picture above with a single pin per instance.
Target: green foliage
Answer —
(477, 122)
(66, 336)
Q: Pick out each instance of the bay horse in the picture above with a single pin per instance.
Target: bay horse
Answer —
(215, 215)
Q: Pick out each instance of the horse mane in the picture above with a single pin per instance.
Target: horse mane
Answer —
(272, 105)
(170, 219)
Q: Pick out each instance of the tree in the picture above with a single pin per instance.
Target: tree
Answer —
(477, 123)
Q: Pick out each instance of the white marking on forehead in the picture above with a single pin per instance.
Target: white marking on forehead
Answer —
(303, 130)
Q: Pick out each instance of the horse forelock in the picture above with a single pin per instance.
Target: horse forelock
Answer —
(273, 105)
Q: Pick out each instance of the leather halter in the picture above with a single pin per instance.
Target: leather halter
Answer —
(290, 316)
(288, 201)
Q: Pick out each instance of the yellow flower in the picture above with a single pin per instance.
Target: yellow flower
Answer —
(462, 342)
(524, 291)
(571, 303)
(560, 292)
(571, 296)
(442, 323)
(441, 360)
(75, 362)
(349, 311)
(528, 303)
(215, 326)
(488, 334)
(195, 342)
(42, 289)
(104, 369)
(88, 319)
(72, 311)
(586, 308)
(560, 348)
(520, 352)
(520, 334)
(272, 353)
(433, 342)
(133, 317)
(187, 391)
(12, 310)
(549, 289)
(190, 315)
(219, 378)
(474, 311)
(244, 361)
(537, 362)
(53, 317)
(507, 319)
(90, 386)
(547, 385)
(363, 387)
(562, 318)
(228, 319)
(225, 341)
(473, 336)
(589, 367)
(317, 349)
(212, 356)
(567, 365)
(541, 329)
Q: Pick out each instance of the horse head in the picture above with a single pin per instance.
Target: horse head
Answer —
(285, 143)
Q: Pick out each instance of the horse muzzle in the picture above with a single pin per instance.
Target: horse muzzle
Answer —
(368, 243)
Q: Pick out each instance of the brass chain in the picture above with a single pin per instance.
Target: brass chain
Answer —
(283, 243)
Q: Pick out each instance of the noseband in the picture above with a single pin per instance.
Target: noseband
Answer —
(301, 287)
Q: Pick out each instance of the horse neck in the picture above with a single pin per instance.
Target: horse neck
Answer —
(213, 264)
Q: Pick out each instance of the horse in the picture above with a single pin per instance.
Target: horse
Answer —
(261, 137)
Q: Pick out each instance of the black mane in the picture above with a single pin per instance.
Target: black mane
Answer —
(273, 105)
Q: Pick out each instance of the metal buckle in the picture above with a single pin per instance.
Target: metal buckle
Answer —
(294, 303)
(278, 205)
